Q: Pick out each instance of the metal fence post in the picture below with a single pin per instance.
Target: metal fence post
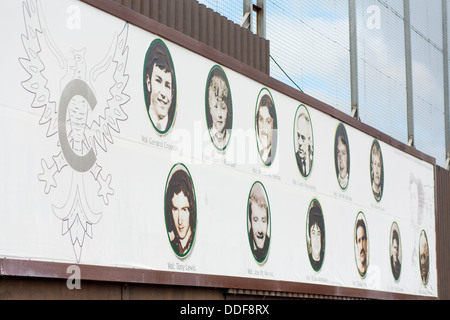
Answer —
(247, 19)
(446, 80)
(353, 58)
(408, 68)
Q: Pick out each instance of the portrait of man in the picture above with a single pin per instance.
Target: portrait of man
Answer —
(219, 112)
(361, 245)
(303, 141)
(180, 210)
(258, 222)
(424, 257)
(395, 251)
(342, 156)
(266, 127)
(159, 86)
(376, 170)
(315, 235)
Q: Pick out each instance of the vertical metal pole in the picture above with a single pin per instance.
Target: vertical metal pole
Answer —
(261, 18)
(408, 68)
(247, 9)
(353, 58)
(247, 6)
(446, 84)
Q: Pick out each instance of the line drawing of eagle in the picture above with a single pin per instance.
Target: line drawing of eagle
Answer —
(76, 110)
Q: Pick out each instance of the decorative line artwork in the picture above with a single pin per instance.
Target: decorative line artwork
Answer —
(78, 112)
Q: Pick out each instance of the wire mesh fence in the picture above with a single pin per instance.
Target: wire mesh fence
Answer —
(309, 43)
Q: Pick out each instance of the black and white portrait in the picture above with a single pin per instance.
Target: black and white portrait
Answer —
(160, 86)
(180, 210)
(361, 245)
(395, 251)
(219, 108)
(376, 170)
(258, 222)
(315, 235)
(424, 257)
(303, 141)
(342, 156)
(266, 127)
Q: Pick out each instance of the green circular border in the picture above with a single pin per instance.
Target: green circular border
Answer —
(206, 105)
(340, 124)
(312, 136)
(306, 235)
(256, 127)
(368, 243)
(145, 88)
(270, 223)
(390, 252)
(195, 198)
(375, 141)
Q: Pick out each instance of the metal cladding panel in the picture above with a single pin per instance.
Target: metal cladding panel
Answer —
(207, 26)
(442, 227)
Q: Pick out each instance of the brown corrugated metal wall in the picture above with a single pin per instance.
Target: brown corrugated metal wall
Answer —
(442, 231)
(209, 27)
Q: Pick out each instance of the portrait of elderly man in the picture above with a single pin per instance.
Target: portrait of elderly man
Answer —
(160, 86)
(342, 156)
(304, 144)
(266, 127)
(219, 112)
(258, 215)
(180, 210)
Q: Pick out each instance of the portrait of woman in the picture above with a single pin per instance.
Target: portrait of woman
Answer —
(218, 107)
(160, 89)
(303, 141)
(376, 171)
(180, 210)
(315, 235)
(266, 126)
(258, 222)
(342, 156)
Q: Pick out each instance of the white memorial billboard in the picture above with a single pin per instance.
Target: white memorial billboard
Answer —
(124, 149)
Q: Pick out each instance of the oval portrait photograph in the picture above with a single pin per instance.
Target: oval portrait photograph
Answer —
(160, 89)
(180, 210)
(395, 251)
(376, 171)
(424, 257)
(342, 156)
(266, 126)
(361, 245)
(303, 141)
(315, 235)
(258, 222)
(218, 107)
